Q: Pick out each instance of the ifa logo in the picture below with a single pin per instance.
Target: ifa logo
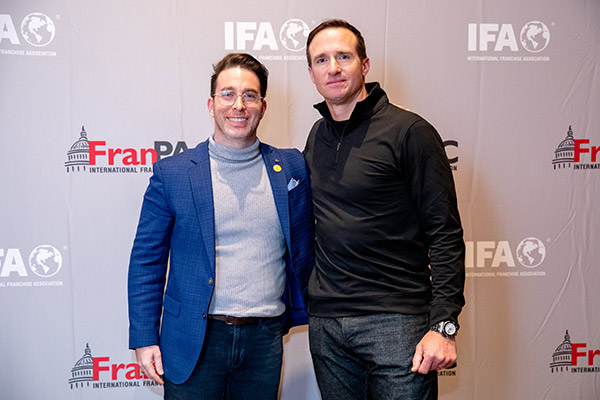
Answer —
(263, 36)
(494, 259)
(504, 42)
(44, 261)
(533, 37)
(35, 31)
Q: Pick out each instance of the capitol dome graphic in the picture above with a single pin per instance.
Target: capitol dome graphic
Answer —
(564, 155)
(561, 359)
(78, 156)
(83, 370)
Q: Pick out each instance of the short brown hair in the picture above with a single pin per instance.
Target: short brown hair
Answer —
(242, 60)
(361, 48)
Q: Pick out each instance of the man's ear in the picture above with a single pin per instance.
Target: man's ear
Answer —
(210, 104)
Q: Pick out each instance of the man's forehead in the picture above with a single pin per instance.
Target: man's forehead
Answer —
(235, 74)
(337, 38)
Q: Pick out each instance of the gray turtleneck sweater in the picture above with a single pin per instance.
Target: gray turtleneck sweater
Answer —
(250, 271)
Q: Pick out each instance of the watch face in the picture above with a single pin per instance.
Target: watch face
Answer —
(450, 328)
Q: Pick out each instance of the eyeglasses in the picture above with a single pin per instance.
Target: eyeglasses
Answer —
(229, 97)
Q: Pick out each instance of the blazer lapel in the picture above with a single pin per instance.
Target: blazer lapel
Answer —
(201, 184)
(278, 179)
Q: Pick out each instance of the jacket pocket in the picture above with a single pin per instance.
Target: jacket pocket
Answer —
(171, 305)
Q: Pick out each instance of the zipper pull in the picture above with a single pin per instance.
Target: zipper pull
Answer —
(337, 151)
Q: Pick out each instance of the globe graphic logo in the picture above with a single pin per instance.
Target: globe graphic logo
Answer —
(535, 36)
(38, 29)
(531, 252)
(293, 34)
(45, 261)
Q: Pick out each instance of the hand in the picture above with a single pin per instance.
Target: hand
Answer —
(434, 352)
(150, 360)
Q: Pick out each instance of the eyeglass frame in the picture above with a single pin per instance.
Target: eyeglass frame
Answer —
(243, 95)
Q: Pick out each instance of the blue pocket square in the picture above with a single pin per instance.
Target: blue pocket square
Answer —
(292, 184)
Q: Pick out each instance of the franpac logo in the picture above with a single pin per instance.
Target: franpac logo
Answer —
(44, 261)
(36, 29)
(95, 156)
(452, 160)
(100, 373)
(499, 42)
(491, 259)
(261, 36)
(576, 153)
(574, 357)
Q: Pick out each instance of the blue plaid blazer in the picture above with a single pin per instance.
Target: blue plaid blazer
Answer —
(176, 232)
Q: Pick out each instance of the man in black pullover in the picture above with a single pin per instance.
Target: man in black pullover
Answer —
(387, 287)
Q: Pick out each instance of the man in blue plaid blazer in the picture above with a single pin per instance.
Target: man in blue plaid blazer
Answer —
(223, 252)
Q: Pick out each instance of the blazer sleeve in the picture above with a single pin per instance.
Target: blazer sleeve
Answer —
(148, 264)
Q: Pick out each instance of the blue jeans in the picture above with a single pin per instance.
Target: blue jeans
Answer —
(236, 362)
(370, 357)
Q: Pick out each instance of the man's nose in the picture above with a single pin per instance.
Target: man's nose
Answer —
(239, 103)
(334, 66)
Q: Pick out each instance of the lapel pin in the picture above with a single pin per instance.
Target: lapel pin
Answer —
(277, 168)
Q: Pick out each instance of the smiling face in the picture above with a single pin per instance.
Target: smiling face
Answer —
(236, 125)
(336, 69)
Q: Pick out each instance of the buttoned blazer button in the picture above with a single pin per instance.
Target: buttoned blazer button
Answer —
(204, 315)
(210, 281)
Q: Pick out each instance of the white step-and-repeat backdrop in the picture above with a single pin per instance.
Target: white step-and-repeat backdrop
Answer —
(91, 92)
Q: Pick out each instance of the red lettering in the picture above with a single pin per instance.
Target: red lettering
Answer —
(115, 369)
(145, 153)
(575, 354)
(130, 157)
(111, 155)
(591, 356)
(97, 366)
(579, 149)
(95, 152)
(133, 372)
(595, 150)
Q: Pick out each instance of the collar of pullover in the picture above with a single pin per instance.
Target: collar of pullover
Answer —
(376, 98)
(223, 153)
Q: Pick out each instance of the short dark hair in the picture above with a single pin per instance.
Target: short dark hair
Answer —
(242, 60)
(361, 48)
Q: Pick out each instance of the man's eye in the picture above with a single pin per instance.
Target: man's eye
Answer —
(227, 94)
(320, 60)
(250, 96)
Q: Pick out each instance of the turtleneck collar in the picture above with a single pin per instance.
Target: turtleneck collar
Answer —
(224, 153)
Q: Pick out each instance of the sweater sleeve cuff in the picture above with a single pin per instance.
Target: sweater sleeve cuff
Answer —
(444, 312)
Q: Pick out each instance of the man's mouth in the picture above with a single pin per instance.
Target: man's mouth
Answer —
(237, 119)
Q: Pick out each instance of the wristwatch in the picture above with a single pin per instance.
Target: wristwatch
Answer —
(448, 329)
